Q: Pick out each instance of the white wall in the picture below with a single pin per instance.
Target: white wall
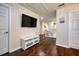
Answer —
(17, 32)
(62, 29)
(51, 24)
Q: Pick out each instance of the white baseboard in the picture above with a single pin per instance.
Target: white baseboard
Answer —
(63, 45)
(14, 49)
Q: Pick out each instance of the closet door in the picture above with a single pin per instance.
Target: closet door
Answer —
(3, 29)
(74, 29)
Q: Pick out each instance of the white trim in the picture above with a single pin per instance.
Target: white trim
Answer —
(15, 49)
(70, 30)
(63, 45)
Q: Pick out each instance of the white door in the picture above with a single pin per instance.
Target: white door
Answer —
(74, 29)
(3, 29)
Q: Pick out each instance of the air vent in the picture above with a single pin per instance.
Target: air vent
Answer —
(61, 5)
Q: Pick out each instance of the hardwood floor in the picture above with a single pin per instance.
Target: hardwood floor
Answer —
(46, 47)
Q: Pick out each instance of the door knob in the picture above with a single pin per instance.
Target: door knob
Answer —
(5, 32)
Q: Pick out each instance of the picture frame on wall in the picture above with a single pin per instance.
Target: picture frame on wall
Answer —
(62, 20)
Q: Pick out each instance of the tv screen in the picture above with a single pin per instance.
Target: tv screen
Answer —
(28, 21)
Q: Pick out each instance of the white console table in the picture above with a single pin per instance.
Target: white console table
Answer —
(29, 41)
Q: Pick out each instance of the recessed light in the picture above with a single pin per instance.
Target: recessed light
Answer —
(42, 18)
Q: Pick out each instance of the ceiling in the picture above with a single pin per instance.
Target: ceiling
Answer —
(45, 10)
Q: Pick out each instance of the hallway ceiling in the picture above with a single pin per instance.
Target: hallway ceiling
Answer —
(41, 8)
(45, 10)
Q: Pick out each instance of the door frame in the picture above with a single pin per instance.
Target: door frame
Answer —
(9, 24)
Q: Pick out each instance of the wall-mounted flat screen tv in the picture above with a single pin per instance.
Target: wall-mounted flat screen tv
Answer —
(28, 21)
